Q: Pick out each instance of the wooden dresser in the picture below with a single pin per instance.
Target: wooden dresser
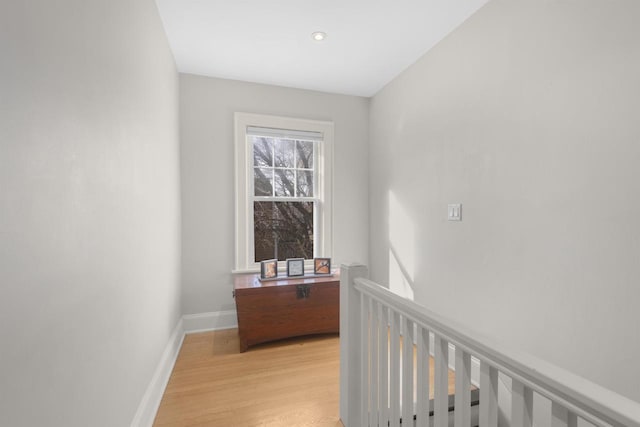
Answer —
(285, 308)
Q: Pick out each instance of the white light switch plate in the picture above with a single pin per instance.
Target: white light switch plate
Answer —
(454, 212)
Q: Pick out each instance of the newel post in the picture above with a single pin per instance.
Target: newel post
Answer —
(350, 346)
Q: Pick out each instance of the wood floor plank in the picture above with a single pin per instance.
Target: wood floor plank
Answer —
(292, 382)
(287, 383)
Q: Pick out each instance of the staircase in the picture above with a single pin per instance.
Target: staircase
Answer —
(383, 385)
(475, 402)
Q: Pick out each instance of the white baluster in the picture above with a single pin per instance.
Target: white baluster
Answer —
(383, 365)
(462, 414)
(422, 392)
(350, 346)
(562, 417)
(441, 386)
(407, 373)
(521, 405)
(394, 377)
(373, 371)
(488, 395)
(364, 360)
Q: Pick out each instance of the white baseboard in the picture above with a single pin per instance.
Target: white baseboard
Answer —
(189, 323)
(213, 321)
(146, 413)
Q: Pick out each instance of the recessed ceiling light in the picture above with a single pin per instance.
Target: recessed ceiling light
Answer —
(319, 36)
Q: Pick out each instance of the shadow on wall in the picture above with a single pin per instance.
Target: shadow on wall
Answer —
(402, 248)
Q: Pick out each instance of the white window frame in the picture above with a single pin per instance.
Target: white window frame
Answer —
(323, 161)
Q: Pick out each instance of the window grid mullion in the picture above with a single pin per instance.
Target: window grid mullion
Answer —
(273, 170)
(295, 172)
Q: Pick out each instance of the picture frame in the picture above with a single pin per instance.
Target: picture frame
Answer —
(322, 266)
(269, 269)
(295, 267)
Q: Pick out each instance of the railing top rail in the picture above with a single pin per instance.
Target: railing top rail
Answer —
(581, 393)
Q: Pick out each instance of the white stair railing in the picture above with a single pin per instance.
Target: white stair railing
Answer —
(378, 330)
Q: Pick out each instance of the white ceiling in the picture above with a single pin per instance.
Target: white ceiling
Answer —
(269, 41)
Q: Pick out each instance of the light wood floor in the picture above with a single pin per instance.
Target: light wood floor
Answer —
(288, 383)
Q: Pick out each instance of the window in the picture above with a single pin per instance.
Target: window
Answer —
(283, 182)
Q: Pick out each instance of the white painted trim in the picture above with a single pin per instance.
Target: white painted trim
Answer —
(213, 321)
(146, 413)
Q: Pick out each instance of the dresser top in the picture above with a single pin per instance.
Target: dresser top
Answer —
(249, 281)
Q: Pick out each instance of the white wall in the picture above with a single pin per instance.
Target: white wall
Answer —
(527, 115)
(89, 209)
(207, 176)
